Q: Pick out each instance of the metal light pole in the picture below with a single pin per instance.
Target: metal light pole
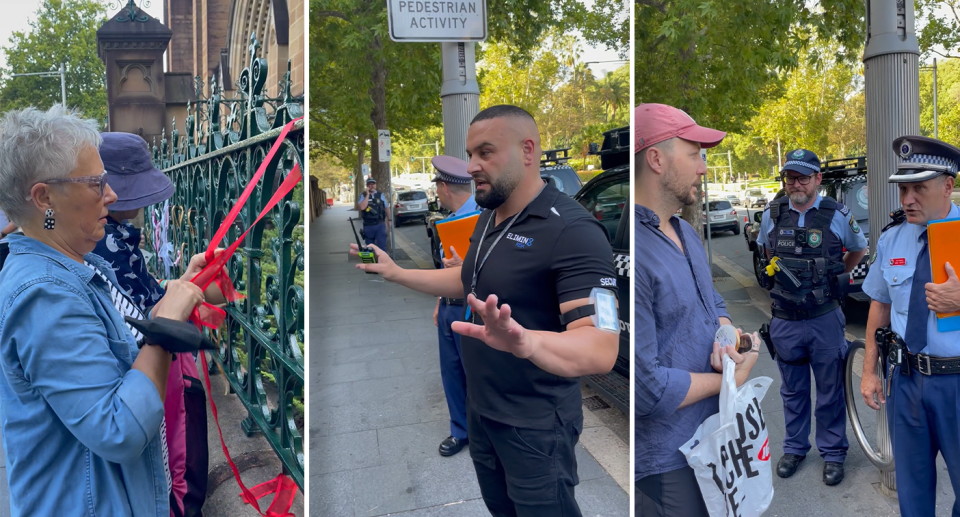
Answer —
(460, 95)
(63, 80)
(892, 92)
(936, 124)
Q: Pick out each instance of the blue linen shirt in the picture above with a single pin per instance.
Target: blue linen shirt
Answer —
(469, 206)
(891, 277)
(842, 225)
(80, 427)
(676, 315)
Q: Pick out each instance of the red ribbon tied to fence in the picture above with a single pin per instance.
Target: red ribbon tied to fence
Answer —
(210, 316)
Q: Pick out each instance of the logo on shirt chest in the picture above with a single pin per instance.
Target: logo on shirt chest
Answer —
(898, 262)
(522, 242)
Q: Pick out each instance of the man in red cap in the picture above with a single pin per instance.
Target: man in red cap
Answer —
(676, 382)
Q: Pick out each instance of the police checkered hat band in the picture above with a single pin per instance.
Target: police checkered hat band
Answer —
(801, 163)
(449, 178)
(924, 158)
(918, 161)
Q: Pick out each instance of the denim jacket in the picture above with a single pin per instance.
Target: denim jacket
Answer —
(80, 427)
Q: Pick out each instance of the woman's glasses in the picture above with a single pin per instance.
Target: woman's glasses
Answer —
(100, 180)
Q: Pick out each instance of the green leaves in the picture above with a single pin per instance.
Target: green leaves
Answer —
(63, 31)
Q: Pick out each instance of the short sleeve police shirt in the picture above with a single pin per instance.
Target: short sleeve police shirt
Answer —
(554, 253)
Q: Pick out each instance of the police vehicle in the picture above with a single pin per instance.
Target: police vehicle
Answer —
(845, 180)
(607, 197)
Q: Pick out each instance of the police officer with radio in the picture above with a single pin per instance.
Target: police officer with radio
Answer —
(375, 212)
(454, 192)
(805, 234)
(921, 383)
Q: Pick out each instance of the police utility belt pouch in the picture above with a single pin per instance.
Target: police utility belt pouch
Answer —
(453, 301)
(172, 335)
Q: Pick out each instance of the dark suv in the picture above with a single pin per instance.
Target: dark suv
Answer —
(607, 197)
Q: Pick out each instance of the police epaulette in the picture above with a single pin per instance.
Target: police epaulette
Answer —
(898, 217)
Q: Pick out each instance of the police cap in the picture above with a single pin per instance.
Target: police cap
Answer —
(451, 170)
(803, 161)
(923, 159)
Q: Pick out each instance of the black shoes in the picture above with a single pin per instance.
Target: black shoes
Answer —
(832, 473)
(788, 464)
(451, 446)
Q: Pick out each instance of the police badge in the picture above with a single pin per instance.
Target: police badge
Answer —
(814, 238)
(853, 224)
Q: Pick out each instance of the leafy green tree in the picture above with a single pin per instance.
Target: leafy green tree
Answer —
(361, 81)
(64, 31)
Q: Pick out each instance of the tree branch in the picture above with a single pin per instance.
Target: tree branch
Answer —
(658, 5)
(330, 14)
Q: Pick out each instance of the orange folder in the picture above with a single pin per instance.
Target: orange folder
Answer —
(943, 237)
(456, 232)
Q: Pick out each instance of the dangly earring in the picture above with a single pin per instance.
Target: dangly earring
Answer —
(49, 222)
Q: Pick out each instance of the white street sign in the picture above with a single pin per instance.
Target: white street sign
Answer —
(365, 169)
(437, 20)
(383, 141)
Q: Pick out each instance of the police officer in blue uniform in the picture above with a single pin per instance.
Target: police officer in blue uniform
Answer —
(922, 375)
(807, 233)
(375, 212)
(456, 195)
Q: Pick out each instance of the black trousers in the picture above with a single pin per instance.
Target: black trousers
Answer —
(525, 472)
(671, 494)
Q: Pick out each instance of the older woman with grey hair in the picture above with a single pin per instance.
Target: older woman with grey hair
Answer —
(81, 405)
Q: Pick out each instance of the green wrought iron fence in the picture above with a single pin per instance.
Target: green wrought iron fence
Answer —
(261, 343)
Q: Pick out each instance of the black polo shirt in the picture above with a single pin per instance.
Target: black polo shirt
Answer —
(555, 252)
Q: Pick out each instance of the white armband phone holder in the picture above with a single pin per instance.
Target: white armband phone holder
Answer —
(602, 310)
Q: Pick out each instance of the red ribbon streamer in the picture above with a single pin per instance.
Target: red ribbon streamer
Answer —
(211, 316)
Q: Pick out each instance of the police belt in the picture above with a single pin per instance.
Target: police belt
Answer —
(797, 315)
(929, 365)
(453, 301)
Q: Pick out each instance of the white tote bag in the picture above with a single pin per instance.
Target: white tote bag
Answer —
(730, 452)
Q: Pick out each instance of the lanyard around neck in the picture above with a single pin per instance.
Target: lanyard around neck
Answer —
(479, 265)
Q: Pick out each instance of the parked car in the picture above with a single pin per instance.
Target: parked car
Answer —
(607, 197)
(554, 168)
(723, 218)
(754, 198)
(410, 204)
(733, 199)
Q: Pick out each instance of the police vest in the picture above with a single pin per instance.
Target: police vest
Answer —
(814, 254)
(376, 210)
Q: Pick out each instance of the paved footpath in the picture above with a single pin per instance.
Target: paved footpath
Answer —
(377, 410)
(804, 494)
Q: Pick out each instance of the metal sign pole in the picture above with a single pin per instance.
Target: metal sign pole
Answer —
(460, 95)
(892, 91)
(63, 85)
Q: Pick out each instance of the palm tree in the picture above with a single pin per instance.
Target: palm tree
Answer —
(615, 93)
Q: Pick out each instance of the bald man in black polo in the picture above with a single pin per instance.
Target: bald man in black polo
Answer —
(528, 332)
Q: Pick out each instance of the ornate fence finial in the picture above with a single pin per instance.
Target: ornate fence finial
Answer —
(132, 14)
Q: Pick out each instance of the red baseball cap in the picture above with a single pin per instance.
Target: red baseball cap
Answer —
(655, 123)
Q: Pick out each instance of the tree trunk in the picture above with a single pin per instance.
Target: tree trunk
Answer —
(358, 183)
(378, 115)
